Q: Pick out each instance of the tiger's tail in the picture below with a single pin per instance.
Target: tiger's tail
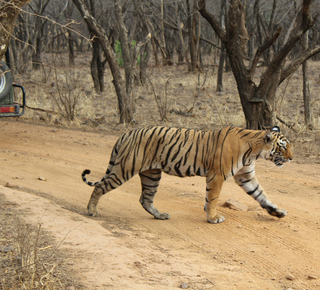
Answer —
(83, 175)
(113, 157)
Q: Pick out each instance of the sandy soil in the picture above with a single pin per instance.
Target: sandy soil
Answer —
(125, 248)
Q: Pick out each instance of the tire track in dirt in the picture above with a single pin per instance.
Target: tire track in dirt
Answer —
(234, 252)
(263, 262)
(265, 230)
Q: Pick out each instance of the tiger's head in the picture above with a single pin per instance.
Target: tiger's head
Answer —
(280, 152)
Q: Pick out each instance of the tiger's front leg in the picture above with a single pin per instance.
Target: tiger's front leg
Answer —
(248, 182)
(214, 185)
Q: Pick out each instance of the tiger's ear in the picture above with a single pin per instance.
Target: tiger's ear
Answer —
(275, 129)
(267, 137)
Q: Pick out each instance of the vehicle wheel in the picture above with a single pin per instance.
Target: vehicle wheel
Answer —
(5, 80)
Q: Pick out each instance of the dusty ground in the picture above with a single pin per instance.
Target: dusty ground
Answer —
(126, 248)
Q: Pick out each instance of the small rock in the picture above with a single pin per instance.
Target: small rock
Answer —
(290, 277)
(311, 277)
(235, 204)
(42, 178)
(11, 185)
(184, 286)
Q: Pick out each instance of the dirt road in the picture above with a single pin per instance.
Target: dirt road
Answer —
(125, 248)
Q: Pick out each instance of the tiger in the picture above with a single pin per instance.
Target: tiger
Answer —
(216, 155)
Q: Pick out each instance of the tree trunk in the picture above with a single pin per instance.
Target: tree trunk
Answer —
(191, 43)
(70, 48)
(36, 57)
(126, 114)
(144, 58)
(155, 52)
(222, 50)
(126, 55)
(95, 60)
(220, 69)
(306, 88)
(182, 47)
(258, 101)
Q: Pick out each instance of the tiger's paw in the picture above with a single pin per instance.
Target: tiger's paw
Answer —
(218, 218)
(93, 214)
(277, 212)
(161, 216)
(92, 211)
(280, 213)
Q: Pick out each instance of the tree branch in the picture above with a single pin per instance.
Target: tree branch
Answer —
(302, 23)
(262, 49)
(211, 20)
(292, 67)
(9, 11)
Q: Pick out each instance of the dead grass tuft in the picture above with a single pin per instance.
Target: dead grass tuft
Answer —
(29, 258)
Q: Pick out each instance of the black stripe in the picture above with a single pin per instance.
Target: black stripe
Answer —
(177, 167)
(246, 156)
(188, 172)
(196, 154)
(255, 135)
(244, 182)
(151, 178)
(186, 154)
(148, 185)
(259, 194)
(232, 167)
(253, 191)
(245, 135)
(149, 140)
(211, 178)
(177, 153)
(163, 164)
(221, 152)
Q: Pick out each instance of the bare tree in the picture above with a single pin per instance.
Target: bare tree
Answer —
(258, 100)
(126, 114)
(194, 35)
(38, 7)
(122, 86)
(96, 65)
(182, 47)
(9, 11)
(158, 38)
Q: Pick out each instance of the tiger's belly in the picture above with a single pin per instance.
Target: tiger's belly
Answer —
(183, 171)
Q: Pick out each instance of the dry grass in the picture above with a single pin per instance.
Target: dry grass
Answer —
(29, 257)
(172, 97)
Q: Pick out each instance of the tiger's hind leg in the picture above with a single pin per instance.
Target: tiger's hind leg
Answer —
(94, 199)
(150, 181)
(107, 184)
